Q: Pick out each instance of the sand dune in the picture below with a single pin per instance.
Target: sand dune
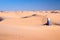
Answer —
(31, 21)
(29, 25)
(55, 18)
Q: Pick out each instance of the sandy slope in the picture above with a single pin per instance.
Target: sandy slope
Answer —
(25, 21)
(29, 33)
(25, 26)
(19, 19)
(55, 18)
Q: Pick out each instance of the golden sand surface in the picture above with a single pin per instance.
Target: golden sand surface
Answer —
(29, 25)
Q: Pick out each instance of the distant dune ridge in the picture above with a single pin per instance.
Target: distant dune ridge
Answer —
(36, 17)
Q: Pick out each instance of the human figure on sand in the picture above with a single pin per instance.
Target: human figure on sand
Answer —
(48, 21)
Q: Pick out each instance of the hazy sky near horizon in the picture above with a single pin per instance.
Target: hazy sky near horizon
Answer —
(14, 5)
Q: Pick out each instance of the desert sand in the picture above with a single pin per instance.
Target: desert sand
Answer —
(29, 25)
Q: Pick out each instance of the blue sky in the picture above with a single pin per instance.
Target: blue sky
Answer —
(14, 5)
